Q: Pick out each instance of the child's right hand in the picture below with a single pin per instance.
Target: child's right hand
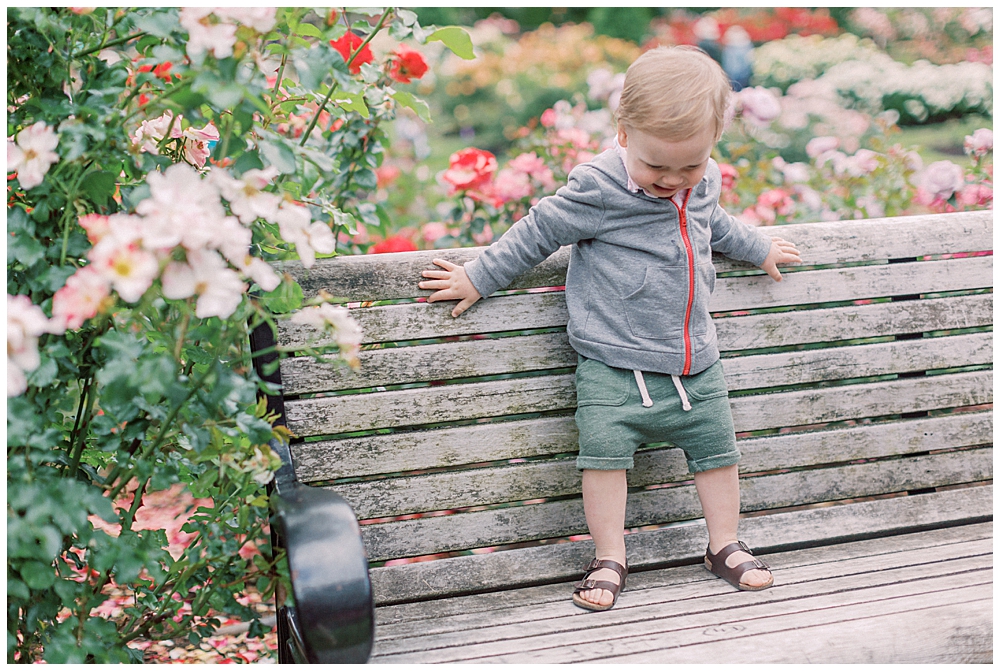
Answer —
(452, 283)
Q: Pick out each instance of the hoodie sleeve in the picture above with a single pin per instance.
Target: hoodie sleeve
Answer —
(737, 240)
(574, 213)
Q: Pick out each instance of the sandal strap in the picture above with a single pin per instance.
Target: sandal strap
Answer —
(732, 574)
(597, 564)
(723, 554)
(587, 585)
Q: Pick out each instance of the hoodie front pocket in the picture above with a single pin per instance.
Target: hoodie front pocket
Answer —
(656, 309)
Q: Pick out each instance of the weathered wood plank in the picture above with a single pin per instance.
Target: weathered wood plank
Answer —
(526, 481)
(696, 636)
(855, 321)
(451, 403)
(426, 363)
(519, 354)
(415, 321)
(844, 284)
(528, 604)
(731, 293)
(394, 276)
(954, 627)
(643, 621)
(556, 519)
(561, 562)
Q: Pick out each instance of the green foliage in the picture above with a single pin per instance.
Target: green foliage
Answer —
(136, 392)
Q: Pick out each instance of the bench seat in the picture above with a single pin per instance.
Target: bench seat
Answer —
(861, 390)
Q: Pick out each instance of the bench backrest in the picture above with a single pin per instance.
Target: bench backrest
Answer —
(846, 380)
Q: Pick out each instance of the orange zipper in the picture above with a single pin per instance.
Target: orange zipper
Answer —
(682, 213)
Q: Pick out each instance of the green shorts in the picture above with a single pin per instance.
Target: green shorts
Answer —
(613, 422)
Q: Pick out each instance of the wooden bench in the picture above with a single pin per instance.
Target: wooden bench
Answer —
(861, 389)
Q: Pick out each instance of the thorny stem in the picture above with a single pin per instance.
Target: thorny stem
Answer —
(124, 479)
(85, 409)
(136, 502)
(112, 43)
(333, 86)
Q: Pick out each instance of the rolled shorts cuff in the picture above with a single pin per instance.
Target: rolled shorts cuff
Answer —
(715, 461)
(604, 463)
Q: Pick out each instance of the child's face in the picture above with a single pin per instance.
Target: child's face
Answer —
(662, 167)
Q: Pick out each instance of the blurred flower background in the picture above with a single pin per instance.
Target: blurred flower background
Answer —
(840, 113)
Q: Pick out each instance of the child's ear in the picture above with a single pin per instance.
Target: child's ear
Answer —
(622, 136)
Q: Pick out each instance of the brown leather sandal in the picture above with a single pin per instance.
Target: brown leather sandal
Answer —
(586, 584)
(717, 564)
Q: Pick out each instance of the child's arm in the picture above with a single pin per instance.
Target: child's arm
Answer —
(781, 251)
(451, 283)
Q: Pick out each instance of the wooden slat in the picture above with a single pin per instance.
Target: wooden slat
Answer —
(855, 321)
(561, 562)
(531, 604)
(845, 284)
(678, 617)
(520, 354)
(394, 276)
(661, 506)
(662, 632)
(449, 403)
(426, 363)
(959, 628)
(526, 481)
(421, 450)
(414, 321)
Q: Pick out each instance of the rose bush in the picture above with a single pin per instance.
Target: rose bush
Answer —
(157, 159)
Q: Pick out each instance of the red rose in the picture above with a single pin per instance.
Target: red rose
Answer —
(347, 45)
(394, 243)
(407, 65)
(470, 169)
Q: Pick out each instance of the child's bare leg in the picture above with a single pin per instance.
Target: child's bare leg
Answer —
(604, 494)
(719, 492)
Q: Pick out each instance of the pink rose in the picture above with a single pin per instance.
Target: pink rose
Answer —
(979, 143)
(976, 195)
(941, 179)
(528, 163)
(549, 118)
(760, 106)
(511, 185)
(81, 297)
(821, 145)
(432, 231)
(469, 169)
(729, 175)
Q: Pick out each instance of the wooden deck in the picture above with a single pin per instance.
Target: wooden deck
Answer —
(922, 597)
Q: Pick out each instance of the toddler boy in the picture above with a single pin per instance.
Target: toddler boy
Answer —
(643, 219)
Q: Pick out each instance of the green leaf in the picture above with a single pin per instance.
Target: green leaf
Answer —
(352, 102)
(309, 30)
(160, 24)
(25, 249)
(99, 186)
(19, 590)
(247, 161)
(279, 155)
(44, 374)
(456, 39)
(37, 575)
(286, 297)
(407, 99)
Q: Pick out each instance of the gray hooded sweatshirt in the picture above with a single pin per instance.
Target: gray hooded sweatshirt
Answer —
(640, 271)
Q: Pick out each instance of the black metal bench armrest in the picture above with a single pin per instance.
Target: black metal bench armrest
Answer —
(329, 572)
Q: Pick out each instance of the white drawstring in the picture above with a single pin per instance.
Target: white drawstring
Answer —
(685, 403)
(647, 402)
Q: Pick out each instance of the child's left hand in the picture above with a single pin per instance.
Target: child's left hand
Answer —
(782, 251)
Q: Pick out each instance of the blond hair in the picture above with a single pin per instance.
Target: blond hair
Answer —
(673, 92)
